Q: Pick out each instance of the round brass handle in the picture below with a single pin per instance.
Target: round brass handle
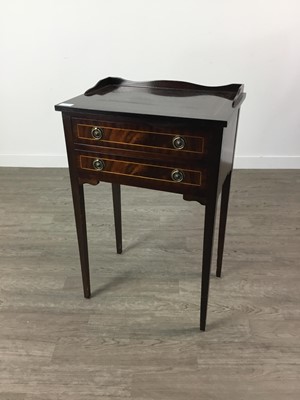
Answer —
(97, 133)
(178, 142)
(177, 175)
(98, 164)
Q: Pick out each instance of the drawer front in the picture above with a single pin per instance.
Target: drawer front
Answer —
(140, 140)
(108, 166)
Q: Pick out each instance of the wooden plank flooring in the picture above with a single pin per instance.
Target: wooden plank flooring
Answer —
(138, 337)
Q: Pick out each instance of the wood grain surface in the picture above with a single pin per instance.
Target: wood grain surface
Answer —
(138, 336)
(140, 170)
(131, 138)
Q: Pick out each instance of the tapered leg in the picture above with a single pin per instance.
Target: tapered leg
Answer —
(79, 210)
(116, 192)
(209, 223)
(223, 219)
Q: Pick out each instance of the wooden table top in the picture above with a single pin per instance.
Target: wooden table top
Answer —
(213, 105)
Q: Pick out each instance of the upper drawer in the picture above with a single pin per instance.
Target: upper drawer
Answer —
(106, 135)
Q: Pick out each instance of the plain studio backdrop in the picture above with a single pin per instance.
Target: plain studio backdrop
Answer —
(54, 50)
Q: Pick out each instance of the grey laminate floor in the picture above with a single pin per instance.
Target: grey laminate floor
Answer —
(138, 337)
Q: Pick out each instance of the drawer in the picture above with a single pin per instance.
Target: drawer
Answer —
(107, 167)
(103, 135)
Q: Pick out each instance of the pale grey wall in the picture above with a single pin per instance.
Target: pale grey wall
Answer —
(54, 50)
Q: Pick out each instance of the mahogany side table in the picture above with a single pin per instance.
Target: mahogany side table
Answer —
(164, 135)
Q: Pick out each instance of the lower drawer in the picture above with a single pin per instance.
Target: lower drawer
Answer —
(107, 168)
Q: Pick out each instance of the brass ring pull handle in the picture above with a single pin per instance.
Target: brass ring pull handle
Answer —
(178, 142)
(177, 175)
(98, 164)
(97, 133)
